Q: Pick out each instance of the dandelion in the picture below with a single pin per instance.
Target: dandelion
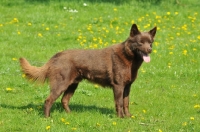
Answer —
(143, 70)
(48, 127)
(176, 13)
(194, 49)
(97, 124)
(133, 116)
(67, 123)
(159, 130)
(178, 34)
(194, 95)
(154, 51)
(23, 75)
(169, 65)
(96, 86)
(95, 45)
(184, 124)
(29, 24)
(197, 106)
(40, 35)
(115, 9)
(74, 128)
(114, 41)
(191, 118)
(168, 13)
(15, 20)
(14, 59)
(144, 111)
(198, 37)
(1, 25)
(62, 119)
(47, 28)
(9, 89)
(114, 123)
(94, 39)
(184, 52)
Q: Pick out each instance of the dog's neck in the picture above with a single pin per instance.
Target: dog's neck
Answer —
(130, 52)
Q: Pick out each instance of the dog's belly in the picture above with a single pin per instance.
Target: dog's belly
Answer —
(100, 77)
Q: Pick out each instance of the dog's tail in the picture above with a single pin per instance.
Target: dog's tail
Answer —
(33, 73)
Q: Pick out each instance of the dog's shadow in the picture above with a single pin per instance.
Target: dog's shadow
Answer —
(79, 108)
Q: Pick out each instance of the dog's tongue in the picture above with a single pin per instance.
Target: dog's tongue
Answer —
(146, 58)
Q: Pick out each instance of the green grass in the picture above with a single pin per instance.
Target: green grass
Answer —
(165, 97)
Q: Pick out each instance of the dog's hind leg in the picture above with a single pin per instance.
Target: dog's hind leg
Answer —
(126, 100)
(67, 95)
(58, 85)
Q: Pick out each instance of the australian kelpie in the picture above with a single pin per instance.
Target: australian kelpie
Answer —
(115, 66)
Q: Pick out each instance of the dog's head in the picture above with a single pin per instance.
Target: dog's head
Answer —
(140, 43)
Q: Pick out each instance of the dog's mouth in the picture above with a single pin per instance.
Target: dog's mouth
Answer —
(144, 56)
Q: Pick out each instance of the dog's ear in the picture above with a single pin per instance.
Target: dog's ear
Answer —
(152, 32)
(134, 30)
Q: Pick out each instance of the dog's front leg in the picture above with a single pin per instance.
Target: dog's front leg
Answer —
(118, 97)
(126, 100)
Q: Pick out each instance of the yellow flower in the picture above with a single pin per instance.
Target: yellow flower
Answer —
(168, 13)
(48, 127)
(74, 128)
(176, 13)
(23, 75)
(40, 35)
(132, 116)
(14, 59)
(185, 52)
(170, 53)
(47, 28)
(96, 85)
(9, 89)
(115, 9)
(113, 41)
(29, 24)
(114, 123)
(160, 130)
(98, 124)
(67, 123)
(15, 20)
(62, 119)
(18, 32)
(198, 37)
(194, 95)
(197, 106)
(184, 124)
(194, 49)
(191, 118)
(144, 111)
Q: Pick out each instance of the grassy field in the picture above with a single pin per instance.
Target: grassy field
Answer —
(164, 98)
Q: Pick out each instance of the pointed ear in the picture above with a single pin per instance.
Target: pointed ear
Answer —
(134, 30)
(153, 32)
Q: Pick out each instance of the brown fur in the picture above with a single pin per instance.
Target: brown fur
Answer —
(115, 66)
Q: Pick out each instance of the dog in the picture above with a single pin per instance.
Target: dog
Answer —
(115, 66)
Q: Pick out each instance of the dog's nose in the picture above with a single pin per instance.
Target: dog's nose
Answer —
(149, 50)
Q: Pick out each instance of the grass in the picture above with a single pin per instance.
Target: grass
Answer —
(165, 97)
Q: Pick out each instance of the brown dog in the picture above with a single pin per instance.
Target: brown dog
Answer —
(115, 66)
